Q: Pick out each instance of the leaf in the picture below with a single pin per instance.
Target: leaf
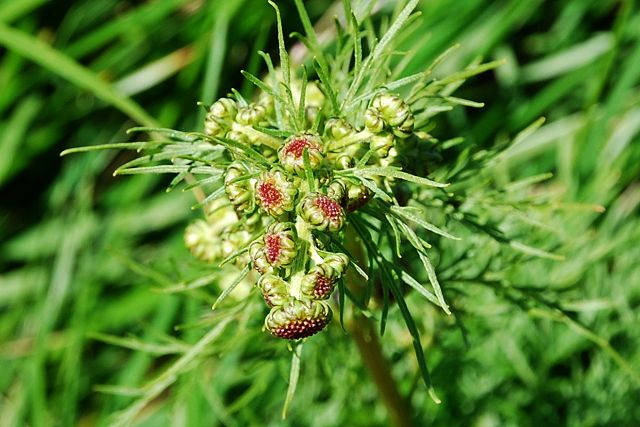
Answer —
(208, 170)
(145, 145)
(379, 49)
(404, 310)
(391, 172)
(431, 273)
(282, 50)
(294, 375)
(409, 280)
(403, 213)
(231, 287)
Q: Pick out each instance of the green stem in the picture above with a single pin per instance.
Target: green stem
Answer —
(365, 335)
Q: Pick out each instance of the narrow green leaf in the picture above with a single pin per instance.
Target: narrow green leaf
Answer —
(294, 375)
(404, 213)
(231, 287)
(282, 50)
(409, 280)
(391, 172)
(207, 170)
(431, 273)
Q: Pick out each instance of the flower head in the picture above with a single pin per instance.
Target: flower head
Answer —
(218, 119)
(238, 190)
(319, 282)
(298, 319)
(390, 111)
(291, 154)
(280, 244)
(322, 212)
(275, 290)
(274, 193)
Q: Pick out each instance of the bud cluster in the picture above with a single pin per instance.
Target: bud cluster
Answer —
(299, 196)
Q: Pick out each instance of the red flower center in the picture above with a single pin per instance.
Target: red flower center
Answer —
(296, 147)
(269, 194)
(323, 287)
(273, 247)
(329, 207)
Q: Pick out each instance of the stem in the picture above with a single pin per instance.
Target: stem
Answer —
(366, 338)
(261, 137)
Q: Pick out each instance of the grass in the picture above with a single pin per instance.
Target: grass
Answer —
(94, 277)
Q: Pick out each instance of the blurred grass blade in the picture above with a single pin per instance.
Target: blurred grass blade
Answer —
(62, 65)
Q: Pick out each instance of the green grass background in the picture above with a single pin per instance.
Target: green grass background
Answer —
(86, 258)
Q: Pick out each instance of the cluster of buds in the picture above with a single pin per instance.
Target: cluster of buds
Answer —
(297, 201)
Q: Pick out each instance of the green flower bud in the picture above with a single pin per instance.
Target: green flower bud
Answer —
(336, 129)
(252, 115)
(337, 189)
(274, 193)
(298, 319)
(391, 111)
(280, 243)
(275, 290)
(259, 258)
(382, 143)
(322, 212)
(373, 120)
(358, 195)
(291, 153)
(319, 282)
(218, 119)
(240, 193)
(351, 193)
(224, 109)
(341, 154)
(213, 126)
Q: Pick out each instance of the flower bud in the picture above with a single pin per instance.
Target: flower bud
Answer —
(218, 119)
(322, 212)
(373, 120)
(213, 126)
(224, 109)
(319, 282)
(252, 115)
(240, 193)
(291, 153)
(298, 319)
(351, 193)
(381, 143)
(358, 195)
(280, 244)
(274, 194)
(275, 290)
(337, 129)
(259, 258)
(391, 111)
(337, 190)
(340, 153)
